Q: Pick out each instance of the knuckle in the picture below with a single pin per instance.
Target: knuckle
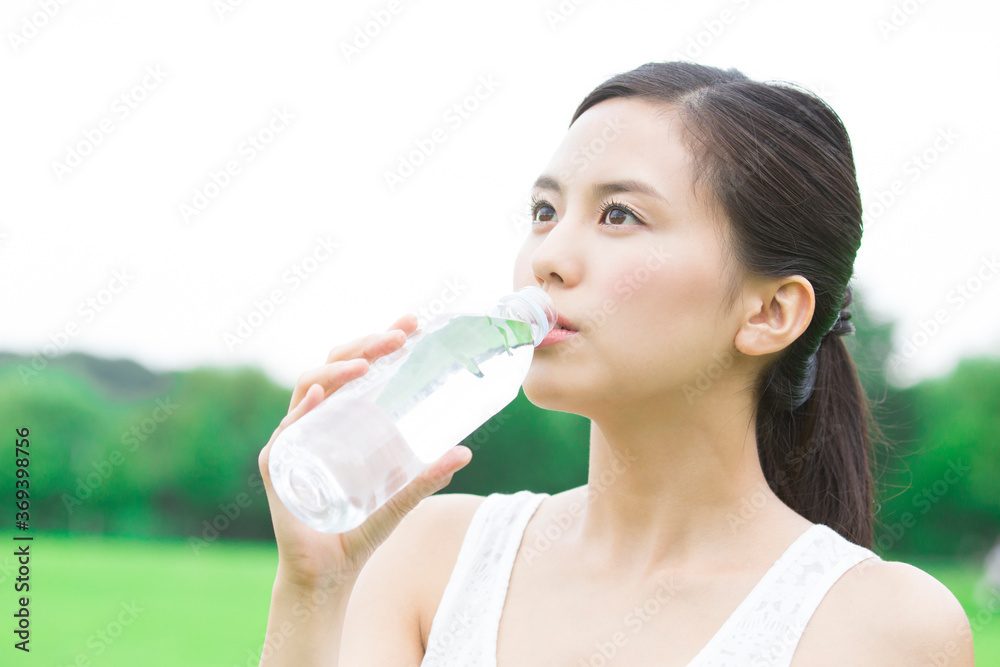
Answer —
(305, 379)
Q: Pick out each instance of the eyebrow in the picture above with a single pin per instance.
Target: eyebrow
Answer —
(546, 182)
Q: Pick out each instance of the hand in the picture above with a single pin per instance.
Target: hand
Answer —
(308, 558)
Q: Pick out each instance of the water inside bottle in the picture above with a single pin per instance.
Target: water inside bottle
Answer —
(424, 409)
(441, 375)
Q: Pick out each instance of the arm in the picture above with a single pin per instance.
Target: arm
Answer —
(317, 572)
(304, 624)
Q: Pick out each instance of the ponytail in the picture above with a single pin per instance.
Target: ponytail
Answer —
(816, 457)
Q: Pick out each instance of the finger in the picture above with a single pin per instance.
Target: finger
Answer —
(330, 377)
(430, 481)
(407, 324)
(450, 462)
(377, 528)
(314, 396)
(358, 348)
(370, 349)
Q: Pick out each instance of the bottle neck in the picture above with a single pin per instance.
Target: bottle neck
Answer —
(531, 305)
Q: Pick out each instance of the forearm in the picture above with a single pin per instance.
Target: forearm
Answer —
(305, 625)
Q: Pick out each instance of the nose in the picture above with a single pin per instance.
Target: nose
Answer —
(558, 259)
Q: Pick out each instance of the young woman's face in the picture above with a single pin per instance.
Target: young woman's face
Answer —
(634, 259)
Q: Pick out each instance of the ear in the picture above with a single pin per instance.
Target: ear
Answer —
(778, 311)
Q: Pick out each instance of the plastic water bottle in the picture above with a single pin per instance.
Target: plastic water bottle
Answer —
(350, 454)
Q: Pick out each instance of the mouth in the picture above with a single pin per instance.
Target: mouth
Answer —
(560, 332)
(563, 324)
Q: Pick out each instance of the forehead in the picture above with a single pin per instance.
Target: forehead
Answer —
(621, 139)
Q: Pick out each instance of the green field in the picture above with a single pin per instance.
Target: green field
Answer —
(129, 602)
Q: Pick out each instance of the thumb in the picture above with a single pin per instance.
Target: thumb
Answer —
(435, 478)
(385, 519)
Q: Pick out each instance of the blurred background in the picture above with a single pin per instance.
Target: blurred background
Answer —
(201, 198)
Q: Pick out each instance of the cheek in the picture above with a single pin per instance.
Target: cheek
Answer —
(663, 299)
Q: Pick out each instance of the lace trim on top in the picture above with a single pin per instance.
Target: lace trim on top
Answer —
(465, 628)
(764, 630)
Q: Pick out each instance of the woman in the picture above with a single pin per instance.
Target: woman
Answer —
(697, 232)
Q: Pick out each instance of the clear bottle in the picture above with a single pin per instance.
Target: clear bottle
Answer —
(350, 454)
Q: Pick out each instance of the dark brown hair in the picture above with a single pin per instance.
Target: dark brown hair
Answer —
(777, 161)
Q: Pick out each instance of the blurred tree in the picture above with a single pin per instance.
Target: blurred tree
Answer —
(176, 453)
(951, 493)
(525, 447)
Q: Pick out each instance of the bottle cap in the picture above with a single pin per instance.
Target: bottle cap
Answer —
(537, 305)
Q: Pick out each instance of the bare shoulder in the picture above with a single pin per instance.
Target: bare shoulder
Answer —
(887, 613)
(393, 593)
(430, 538)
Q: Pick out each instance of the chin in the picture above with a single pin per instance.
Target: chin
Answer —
(550, 392)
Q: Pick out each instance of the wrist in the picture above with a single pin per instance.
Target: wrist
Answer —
(332, 584)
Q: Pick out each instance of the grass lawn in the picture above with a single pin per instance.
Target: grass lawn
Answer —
(115, 601)
(133, 602)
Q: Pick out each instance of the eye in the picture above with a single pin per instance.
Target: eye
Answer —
(541, 211)
(614, 214)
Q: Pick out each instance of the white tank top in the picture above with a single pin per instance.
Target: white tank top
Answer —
(764, 630)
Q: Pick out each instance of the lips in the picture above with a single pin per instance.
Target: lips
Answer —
(563, 323)
(560, 332)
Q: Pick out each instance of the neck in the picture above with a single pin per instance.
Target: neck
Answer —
(676, 484)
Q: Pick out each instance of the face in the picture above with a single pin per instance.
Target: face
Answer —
(634, 259)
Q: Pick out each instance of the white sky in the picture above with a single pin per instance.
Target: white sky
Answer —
(450, 227)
